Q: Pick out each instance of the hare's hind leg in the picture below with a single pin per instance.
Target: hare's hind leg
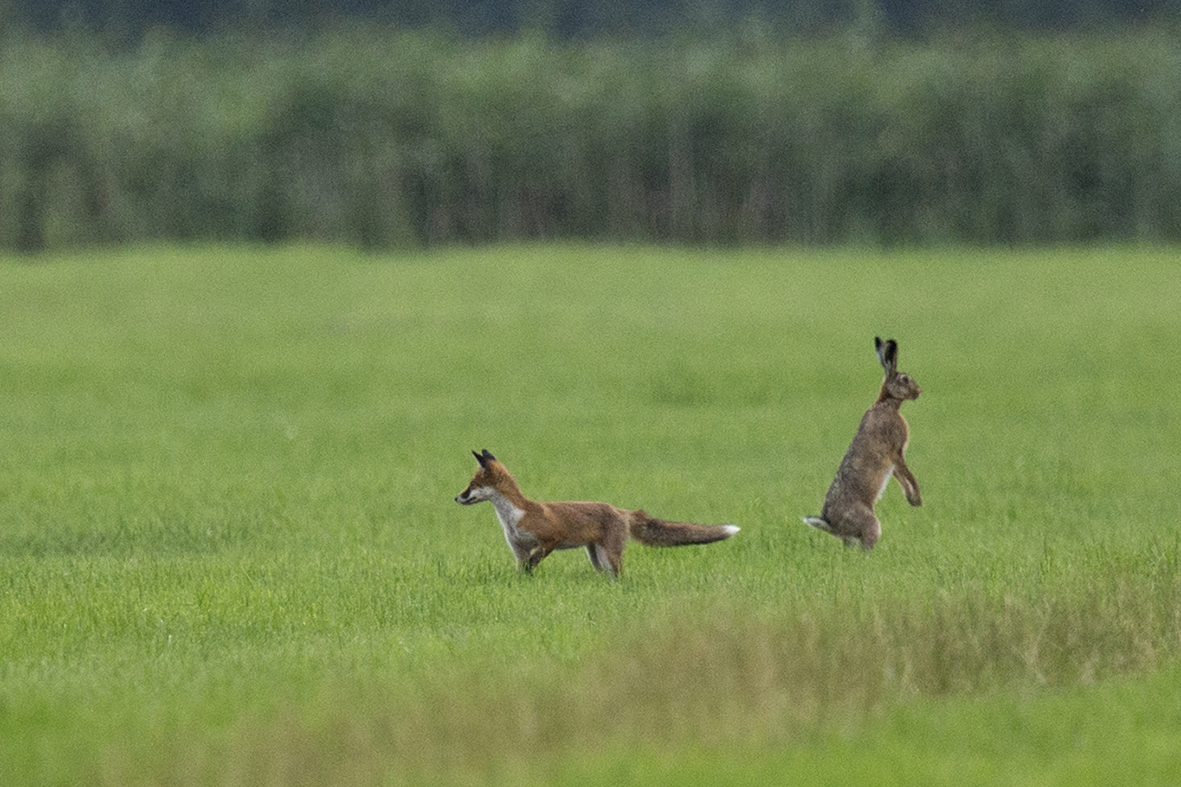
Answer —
(861, 525)
(857, 525)
(871, 533)
(836, 529)
(820, 523)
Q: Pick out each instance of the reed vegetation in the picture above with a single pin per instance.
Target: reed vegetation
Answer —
(380, 138)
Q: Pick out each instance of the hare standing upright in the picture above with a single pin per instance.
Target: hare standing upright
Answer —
(876, 454)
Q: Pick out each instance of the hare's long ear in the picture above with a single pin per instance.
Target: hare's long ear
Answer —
(887, 353)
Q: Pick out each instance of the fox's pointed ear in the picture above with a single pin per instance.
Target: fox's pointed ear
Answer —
(484, 458)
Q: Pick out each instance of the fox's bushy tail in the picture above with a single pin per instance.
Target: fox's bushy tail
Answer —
(658, 533)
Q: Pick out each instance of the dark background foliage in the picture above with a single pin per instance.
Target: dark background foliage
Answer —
(579, 17)
(385, 124)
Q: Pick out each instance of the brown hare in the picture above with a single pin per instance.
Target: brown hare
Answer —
(876, 454)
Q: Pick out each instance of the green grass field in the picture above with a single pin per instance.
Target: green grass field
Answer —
(230, 555)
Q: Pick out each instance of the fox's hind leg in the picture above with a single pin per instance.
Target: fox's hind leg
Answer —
(606, 554)
(603, 560)
(614, 564)
(598, 558)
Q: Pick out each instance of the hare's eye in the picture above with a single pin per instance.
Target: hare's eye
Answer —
(904, 378)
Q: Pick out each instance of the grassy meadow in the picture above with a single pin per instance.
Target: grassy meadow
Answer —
(230, 555)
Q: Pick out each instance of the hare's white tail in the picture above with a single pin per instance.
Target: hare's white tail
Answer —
(818, 522)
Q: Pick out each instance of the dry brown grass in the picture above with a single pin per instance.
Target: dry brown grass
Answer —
(709, 679)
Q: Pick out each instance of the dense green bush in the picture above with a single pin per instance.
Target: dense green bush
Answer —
(380, 138)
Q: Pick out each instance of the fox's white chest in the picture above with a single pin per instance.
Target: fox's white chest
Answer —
(510, 517)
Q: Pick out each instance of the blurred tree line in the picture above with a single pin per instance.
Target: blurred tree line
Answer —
(577, 18)
(383, 135)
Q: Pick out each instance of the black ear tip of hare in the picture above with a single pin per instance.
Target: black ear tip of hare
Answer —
(887, 352)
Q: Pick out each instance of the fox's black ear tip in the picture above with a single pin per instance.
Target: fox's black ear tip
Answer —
(486, 456)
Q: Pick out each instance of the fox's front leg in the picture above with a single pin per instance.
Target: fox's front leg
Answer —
(536, 555)
(910, 484)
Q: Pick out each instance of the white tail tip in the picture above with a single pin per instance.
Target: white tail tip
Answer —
(817, 522)
(731, 529)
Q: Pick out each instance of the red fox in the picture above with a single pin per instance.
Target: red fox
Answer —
(534, 529)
